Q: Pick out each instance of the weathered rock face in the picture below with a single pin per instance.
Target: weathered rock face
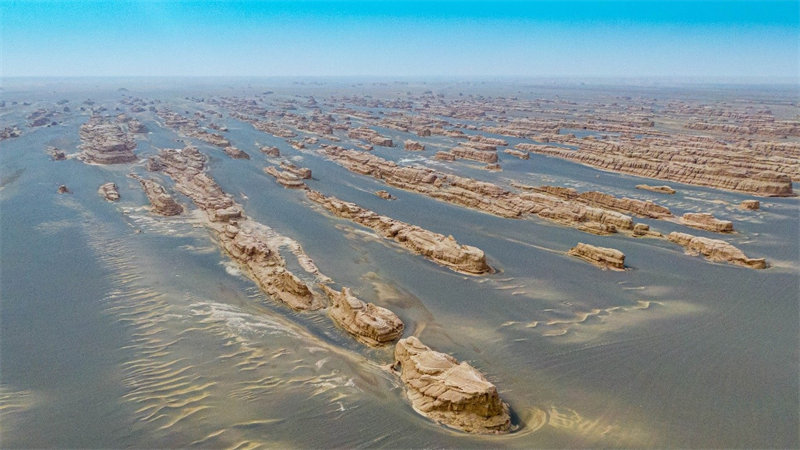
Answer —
(301, 172)
(235, 153)
(246, 241)
(750, 205)
(705, 221)
(715, 250)
(626, 205)
(453, 393)
(642, 230)
(271, 151)
(285, 178)
(474, 154)
(413, 146)
(607, 258)
(371, 136)
(105, 142)
(436, 247)
(660, 189)
(109, 192)
(56, 154)
(162, 202)
(666, 165)
(384, 195)
(517, 153)
(368, 323)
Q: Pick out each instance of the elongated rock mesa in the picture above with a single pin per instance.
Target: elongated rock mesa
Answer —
(705, 221)
(607, 258)
(368, 323)
(453, 393)
(444, 250)
(162, 202)
(715, 250)
(660, 189)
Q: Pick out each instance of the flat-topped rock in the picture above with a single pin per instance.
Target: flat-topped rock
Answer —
(384, 195)
(452, 393)
(109, 191)
(715, 250)
(607, 258)
(751, 205)
(271, 151)
(413, 146)
(517, 153)
(706, 221)
(285, 178)
(106, 142)
(368, 323)
(444, 250)
(660, 189)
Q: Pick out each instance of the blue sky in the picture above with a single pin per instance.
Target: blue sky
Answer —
(401, 38)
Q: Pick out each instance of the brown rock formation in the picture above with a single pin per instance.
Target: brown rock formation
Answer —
(517, 153)
(105, 142)
(161, 201)
(715, 250)
(63, 189)
(246, 241)
(56, 154)
(750, 205)
(235, 153)
(438, 248)
(271, 151)
(285, 179)
(413, 146)
(660, 189)
(627, 205)
(643, 230)
(370, 324)
(474, 154)
(371, 136)
(452, 393)
(109, 192)
(607, 258)
(384, 195)
(301, 172)
(705, 221)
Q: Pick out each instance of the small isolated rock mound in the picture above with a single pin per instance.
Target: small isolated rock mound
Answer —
(454, 394)
(661, 189)
(715, 250)
(63, 189)
(643, 229)
(109, 191)
(750, 205)
(370, 324)
(271, 151)
(235, 153)
(384, 195)
(607, 258)
(517, 153)
(56, 154)
(705, 221)
(413, 146)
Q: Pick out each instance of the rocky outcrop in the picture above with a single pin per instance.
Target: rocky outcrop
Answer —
(705, 221)
(106, 142)
(659, 189)
(56, 154)
(285, 179)
(271, 151)
(452, 393)
(627, 205)
(664, 164)
(384, 195)
(474, 154)
(715, 250)
(109, 192)
(751, 205)
(246, 241)
(517, 153)
(235, 153)
(444, 250)
(371, 136)
(607, 258)
(413, 146)
(63, 189)
(10, 132)
(368, 323)
(643, 230)
(301, 172)
(160, 200)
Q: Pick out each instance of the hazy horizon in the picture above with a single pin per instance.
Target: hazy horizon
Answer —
(736, 40)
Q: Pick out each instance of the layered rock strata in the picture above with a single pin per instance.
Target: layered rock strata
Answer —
(660, 189)
(368, 323)
(106, 142)
(452, 393)
(160, 200)
(413, 146)
(607, 258)
(246, 241)
(285, 178)
(444, 250)
(109, 191)
(750, 205)
(705, 221)
(715, 250)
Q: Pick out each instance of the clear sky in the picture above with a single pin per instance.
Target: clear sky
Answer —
(401, 38)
